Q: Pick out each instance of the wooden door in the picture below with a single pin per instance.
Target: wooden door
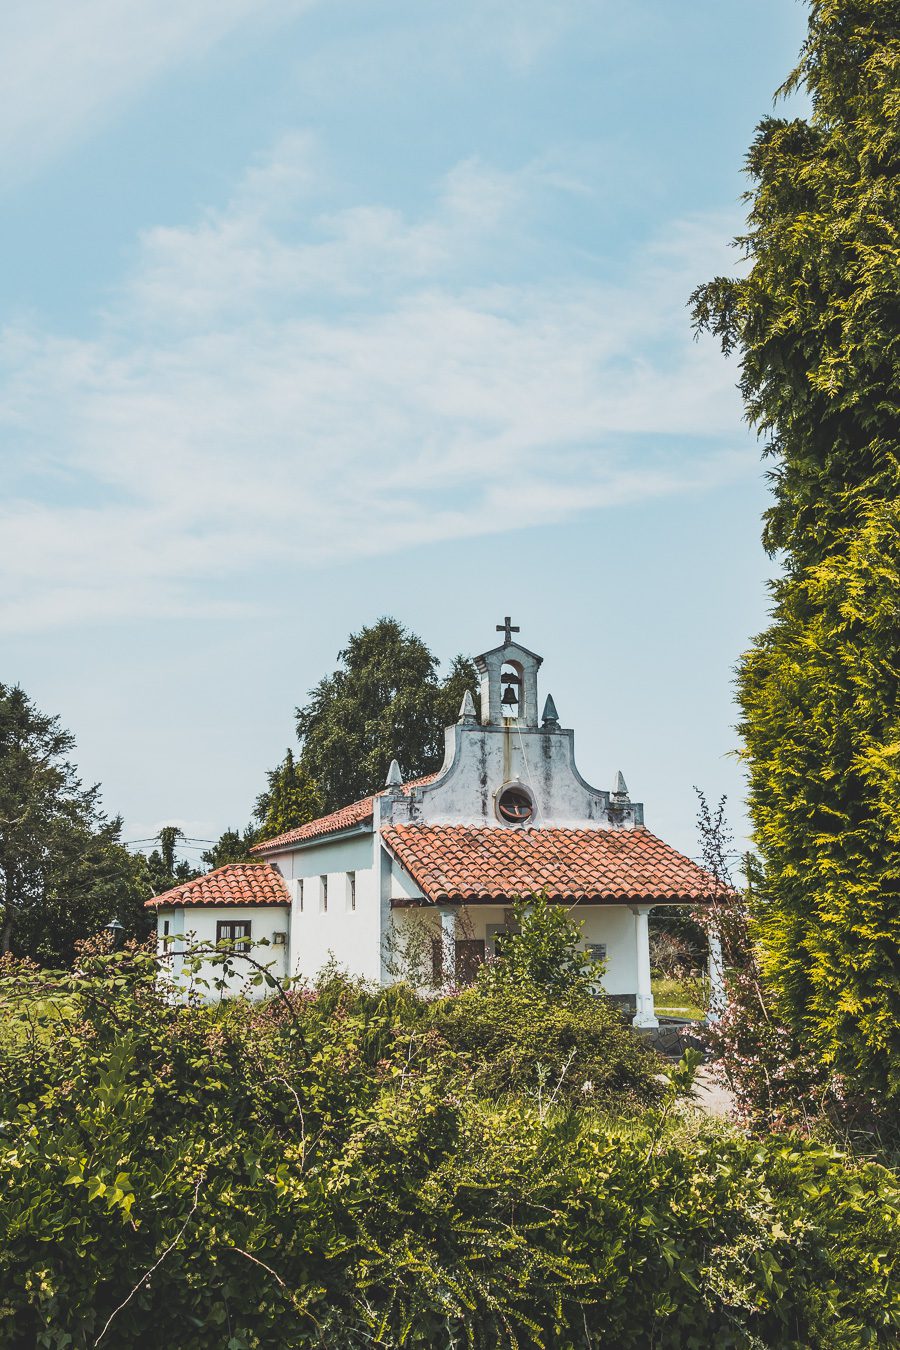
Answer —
(469, 956)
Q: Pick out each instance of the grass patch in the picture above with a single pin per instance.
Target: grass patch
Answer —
(679, 998)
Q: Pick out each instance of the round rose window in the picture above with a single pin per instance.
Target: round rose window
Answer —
(514, 805)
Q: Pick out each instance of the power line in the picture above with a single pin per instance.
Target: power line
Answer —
(182, 839)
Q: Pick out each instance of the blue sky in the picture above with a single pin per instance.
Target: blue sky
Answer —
(318, 311)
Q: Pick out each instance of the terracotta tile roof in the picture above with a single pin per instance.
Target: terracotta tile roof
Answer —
(354, 814)
(453, 862)
(249, 883)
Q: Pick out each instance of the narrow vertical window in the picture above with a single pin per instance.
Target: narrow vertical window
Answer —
(351, 890)
(511, 681)
(165, 927)
(300, 896)
(324, 881)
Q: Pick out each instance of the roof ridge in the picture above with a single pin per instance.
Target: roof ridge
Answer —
(357, 812)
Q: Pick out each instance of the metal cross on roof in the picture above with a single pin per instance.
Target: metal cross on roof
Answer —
(507, 629)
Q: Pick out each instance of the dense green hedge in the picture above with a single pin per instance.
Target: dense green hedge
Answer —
(815, 321)
(320, 1171)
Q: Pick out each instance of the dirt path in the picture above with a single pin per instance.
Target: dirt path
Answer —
(709, 1096)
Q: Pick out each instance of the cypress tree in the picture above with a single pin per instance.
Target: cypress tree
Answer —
(816, 323)
(290, 799)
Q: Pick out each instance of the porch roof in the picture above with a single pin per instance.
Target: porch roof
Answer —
(459, 863)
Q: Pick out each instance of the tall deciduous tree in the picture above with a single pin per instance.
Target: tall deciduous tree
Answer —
(384, 701)
(63, 869)
(816, 321)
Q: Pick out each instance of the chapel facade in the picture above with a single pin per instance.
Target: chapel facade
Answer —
(417, 882)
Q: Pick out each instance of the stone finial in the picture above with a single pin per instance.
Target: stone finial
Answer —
(467, 717)
(550, 717)
(395, 777)
(620, 788)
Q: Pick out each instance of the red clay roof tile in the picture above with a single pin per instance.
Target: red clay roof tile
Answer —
(249, 883)
(357, 813)
(452, 862)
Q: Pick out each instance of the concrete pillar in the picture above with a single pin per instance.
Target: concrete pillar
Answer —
(382, 862)
(448, 943)
(645, 1016)
(716, 978)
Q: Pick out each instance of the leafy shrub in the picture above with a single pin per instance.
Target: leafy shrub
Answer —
(777, 1080)
(520, 1039)
(320, 1171)
(536, 1023)
(542, 951)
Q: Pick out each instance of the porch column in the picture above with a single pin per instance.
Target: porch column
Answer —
(448, 943)
(716, 978)
(645, 1015)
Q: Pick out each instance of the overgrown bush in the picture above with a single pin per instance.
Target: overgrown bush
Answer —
(320, 1170)
(814, 322)
(670, 958)
(535, 1021)
(519, 1040)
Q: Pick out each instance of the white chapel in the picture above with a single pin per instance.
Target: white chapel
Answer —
(418, 880)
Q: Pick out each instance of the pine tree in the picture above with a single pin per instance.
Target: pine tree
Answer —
(291, 798)
(816, 322)
(166, 870)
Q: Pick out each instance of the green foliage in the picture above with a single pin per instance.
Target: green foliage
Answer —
(319, 1171)
(676, 939)
(542, 951)
(165, 870)
(290, 799)
(63, 869)
(816, 321)
(384, 701)
(231, 846)
(534, 1022)
(551, 1047)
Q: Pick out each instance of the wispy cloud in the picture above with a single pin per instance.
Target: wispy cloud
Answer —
(280, 386)
(67, 64)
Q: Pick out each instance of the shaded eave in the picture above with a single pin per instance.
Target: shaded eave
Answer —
(506, 898)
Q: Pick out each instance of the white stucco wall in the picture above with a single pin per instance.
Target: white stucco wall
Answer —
(613, 926)
(481, 760)
(197, 924)
(352, 937)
